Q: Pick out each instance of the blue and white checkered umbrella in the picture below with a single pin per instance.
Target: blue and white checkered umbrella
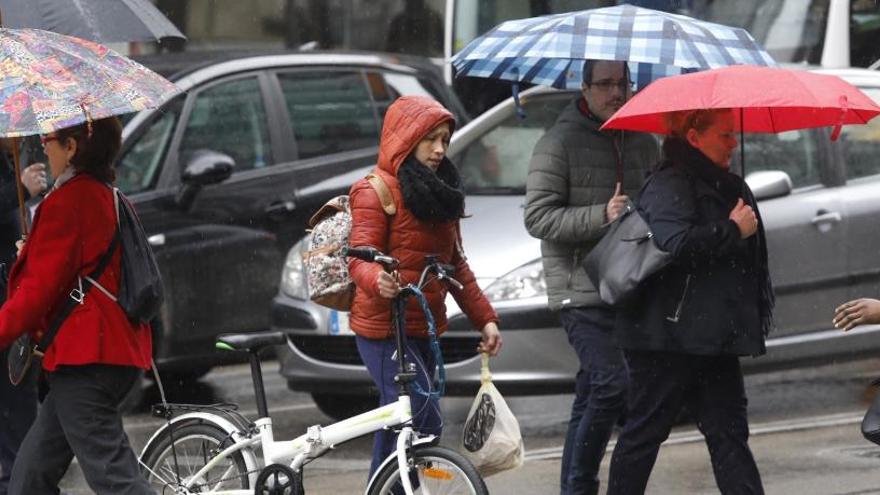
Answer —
(550, 50)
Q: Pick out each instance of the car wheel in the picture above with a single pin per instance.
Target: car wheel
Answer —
(178, 378)
(340, 407)
(135, 396)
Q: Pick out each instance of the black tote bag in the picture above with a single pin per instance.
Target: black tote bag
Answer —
(871, 421)
(626, 255)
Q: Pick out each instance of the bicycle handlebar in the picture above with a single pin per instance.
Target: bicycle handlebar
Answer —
(389, 263)
(372, 255)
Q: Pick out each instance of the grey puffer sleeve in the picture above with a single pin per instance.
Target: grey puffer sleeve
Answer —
(549, 214)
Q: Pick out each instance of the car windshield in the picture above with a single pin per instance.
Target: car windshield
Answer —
(497, 161)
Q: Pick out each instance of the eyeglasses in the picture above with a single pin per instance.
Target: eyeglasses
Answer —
(47, 139)
(605, 85)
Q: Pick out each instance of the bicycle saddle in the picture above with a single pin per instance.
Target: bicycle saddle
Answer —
(251, 342)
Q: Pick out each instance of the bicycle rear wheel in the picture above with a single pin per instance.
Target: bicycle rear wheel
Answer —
(438, 471)
(194, 445)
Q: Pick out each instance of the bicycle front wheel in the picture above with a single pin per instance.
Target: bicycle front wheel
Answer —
(436, 471)
(195, 444)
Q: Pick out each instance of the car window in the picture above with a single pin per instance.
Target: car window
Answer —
(499, 158)
(138, 169)
(793, 152)
(230, 118)
(864, 27)
(861, 145)
(388, 86)
(330, 111)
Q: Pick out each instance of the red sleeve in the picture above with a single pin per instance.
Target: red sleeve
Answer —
(470, 299)
(369, 228)
(54, 254)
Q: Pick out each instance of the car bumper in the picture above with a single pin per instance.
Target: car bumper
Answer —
(534, 359)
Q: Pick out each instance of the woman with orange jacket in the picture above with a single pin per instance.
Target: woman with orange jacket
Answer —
(426, 190)
(97, 353)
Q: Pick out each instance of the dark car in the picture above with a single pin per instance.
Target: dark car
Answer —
(218, 175)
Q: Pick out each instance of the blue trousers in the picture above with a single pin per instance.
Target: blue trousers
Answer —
(712, 387)
(18, 409)
(377, 357)
(600, 397)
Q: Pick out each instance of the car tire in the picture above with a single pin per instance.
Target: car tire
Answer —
(135, 396)
(182, 377)
(340, 407)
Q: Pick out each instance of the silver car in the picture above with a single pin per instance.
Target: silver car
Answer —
(820, 201)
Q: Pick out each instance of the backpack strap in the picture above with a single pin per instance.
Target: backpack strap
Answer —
(76, 296)
(383, 192)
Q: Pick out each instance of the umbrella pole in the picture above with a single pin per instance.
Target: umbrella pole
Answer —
(742, 145)
(19, 187)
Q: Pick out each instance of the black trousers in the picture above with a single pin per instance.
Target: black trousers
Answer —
(80, 417)
(660, 384)
(18, 408)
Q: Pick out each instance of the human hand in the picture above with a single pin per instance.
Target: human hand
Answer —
(616, 204)
(491, 341)
(745, 219)
(34, 178)
(857, 312)
(19, 245)
(388, 285)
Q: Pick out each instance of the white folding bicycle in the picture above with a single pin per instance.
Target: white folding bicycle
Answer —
(214, 449)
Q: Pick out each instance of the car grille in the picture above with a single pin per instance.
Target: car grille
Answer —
(343, 349)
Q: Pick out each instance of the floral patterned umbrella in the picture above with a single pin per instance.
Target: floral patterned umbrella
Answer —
(49, 81)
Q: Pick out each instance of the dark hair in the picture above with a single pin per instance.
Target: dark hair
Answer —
(587, 76)
(95, 153)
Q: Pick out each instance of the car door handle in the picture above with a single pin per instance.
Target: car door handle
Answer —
(156, 240)
(825, 216)
(277, 207)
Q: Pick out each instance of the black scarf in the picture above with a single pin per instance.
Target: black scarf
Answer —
(730, 187)
(431, 196)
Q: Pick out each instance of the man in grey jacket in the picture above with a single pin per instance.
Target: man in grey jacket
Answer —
(579, 180)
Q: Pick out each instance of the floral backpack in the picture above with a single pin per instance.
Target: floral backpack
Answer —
(326, 269)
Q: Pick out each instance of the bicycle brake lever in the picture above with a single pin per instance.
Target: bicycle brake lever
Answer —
(455, 283)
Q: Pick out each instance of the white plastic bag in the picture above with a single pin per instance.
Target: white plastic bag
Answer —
(491, 438)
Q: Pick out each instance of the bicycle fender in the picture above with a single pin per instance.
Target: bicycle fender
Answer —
(212, 419)
(392, 458)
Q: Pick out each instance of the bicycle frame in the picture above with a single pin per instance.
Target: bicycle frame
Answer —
(318, 439)
(314, 443)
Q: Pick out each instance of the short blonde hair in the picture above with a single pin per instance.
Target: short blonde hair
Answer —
(679, 123)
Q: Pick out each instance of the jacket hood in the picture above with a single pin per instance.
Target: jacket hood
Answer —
(407, 121)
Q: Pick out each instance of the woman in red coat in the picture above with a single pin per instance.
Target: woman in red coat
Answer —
(427, 194)
(97, 353)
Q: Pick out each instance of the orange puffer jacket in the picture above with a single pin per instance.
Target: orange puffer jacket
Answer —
(405, 237)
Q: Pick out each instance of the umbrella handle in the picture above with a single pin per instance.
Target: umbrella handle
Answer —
(844, 105)
(19, 188)
(519, 109)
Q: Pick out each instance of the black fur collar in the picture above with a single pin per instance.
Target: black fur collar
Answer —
(431, 197)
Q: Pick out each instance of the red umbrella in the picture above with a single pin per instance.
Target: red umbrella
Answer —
(767, 99)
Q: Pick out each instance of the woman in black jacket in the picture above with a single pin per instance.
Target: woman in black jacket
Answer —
(685, 330)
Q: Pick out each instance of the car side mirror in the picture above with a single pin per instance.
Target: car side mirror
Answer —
(203, 168)
(768, 184)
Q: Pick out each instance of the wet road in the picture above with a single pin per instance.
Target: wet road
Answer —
(805, 434)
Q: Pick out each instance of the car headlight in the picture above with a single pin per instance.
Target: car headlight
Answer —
(525, 282)
(293, 275)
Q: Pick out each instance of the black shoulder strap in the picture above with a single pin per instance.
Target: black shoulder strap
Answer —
(72, 301)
